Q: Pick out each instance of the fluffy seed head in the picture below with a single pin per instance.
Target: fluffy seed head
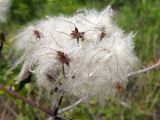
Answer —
(4, 6)
(97, 66)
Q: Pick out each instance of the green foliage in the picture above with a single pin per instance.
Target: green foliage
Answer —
(139, 16)
(25, 10)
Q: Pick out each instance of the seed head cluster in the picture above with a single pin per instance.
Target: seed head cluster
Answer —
(96, 54)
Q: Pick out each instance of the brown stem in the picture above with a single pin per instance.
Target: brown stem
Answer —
(155, 65)
(61, 98)
(28, 101)
(57, 108)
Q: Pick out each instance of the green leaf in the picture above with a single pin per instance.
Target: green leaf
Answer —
(1, 92)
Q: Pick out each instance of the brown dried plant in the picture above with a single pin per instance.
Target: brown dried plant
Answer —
(78, 35)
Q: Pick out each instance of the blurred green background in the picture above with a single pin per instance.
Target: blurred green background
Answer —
(139, 16)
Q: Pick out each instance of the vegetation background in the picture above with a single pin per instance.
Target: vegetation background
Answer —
(140, 16)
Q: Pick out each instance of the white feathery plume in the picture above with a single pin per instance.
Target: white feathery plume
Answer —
(4, 6)
(99, 61)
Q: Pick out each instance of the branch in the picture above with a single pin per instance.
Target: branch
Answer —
(71, 106)
(145, 69)
(28, 101)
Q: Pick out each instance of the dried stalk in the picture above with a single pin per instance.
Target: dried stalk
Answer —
(28, 101)
(145, 69)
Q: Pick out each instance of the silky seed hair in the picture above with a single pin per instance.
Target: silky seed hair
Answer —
(4, 7)
(97, 55)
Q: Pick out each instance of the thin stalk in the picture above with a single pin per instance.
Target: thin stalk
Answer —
(61, 98)
(44, 108)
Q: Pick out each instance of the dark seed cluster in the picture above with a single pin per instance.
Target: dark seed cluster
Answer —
(63, 58)
(78, 35)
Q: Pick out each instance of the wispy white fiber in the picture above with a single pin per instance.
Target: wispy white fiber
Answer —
(4, 6)
(99, 62)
